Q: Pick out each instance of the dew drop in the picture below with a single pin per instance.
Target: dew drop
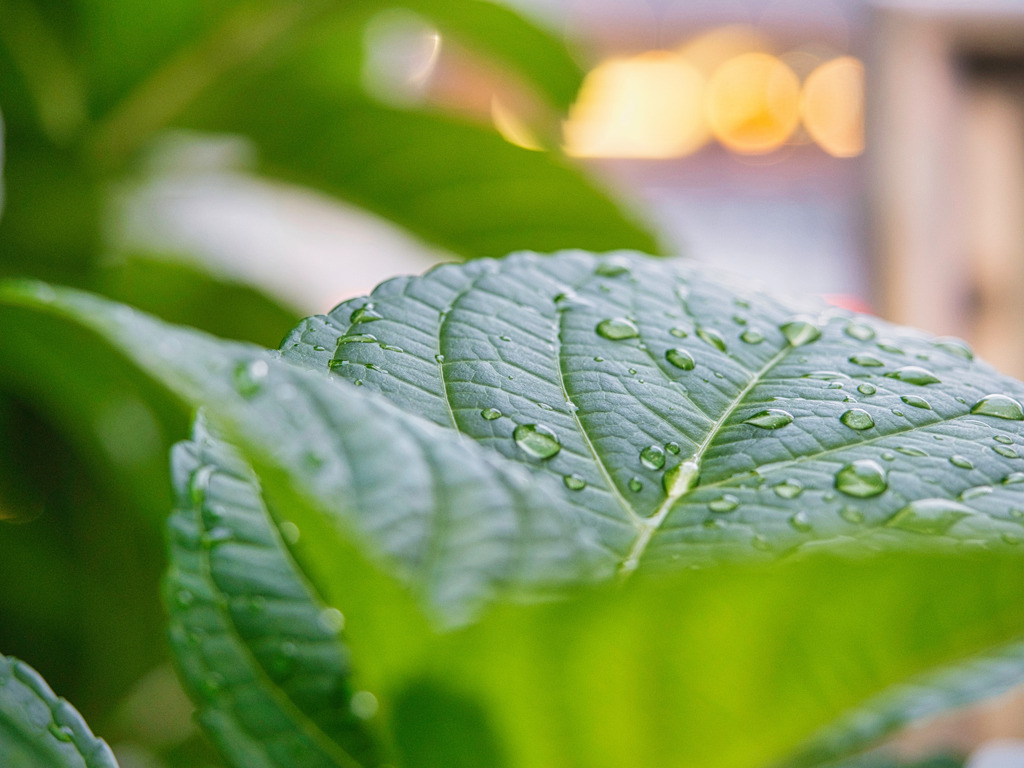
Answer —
(789, 489)
(357, 338)
(761, 543)
(751, 336)
(598, 359)
(859, 331)
(364, 705)
(290, 532)
(862, 478)
(892, 349)
(331, 620)
(711, 337)
(888, 456)
(1013, 478)
(739, 319)
(834, 385)
(61, 732)
(490, 414)
(726, 503)
(975, 492)
(773, 418)
(439, 358)
(1005, 452)
(617, 328)
(825, 375)
(537, 440)
(800, 522)
(681, 478)
(857, 418)
(679, 333)
(1003, 439)
(867, 361)
(916, 402)
(896, 412)
(1009, 538)
(851, 515)
(910, 451)
(574, 482)
(680, 358)
(866, 389)
(365, 314)
(799, 332)
(611, 269)
(652, 457)
(955, 347)
(249, 377)
(913, 374)
(672, 448)
(960, 461)
(1000, 406)
(929, 516)
(635, 484)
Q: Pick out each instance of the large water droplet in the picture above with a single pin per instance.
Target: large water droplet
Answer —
(490, 414)
(537, 440)
(653, 457)
(574, 482)
(857, 418)
(916, 402)
(726, 503)
(681, 478)
(800, 331)
(868, 361)
(1006, 453)
(680, 358)
(859, 331)
(712, 337)
(1004, 439)
(617, 328)
(752, 336)
(929, 516)
(913, 374)
(789, 489)
(960, 461)
(773, 418)
(862, 478)
(249, 377)
(866, 389)
(672, 448)
(1000, 406)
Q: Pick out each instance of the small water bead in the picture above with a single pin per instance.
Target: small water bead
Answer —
(61, 732)
(439, 358)
(789, 489)
(892, 349)
(960, 461)
(574, 482)
(365, 314)
(751, 336)
(739, 319)
(248, 377)
(866, 389)
(913, 374)
(598, 359)
(1000, 406)
(503, 337)
(800, 522)
(290, 532)
(1013, 478)
(910, 451)
(537, 440)
(929, 516)
(889, 456)
(857, 418)
(863, 479)
(726, 503)
(824, 375)
(617, 329)
(834, 385)
(759, 542)
(358, 338)
(319, 348)
(1005, 452)
(975, 492)
(800, 331)
(331, 620)
(679, 333)
(852, 515)
(652, 457)
(364, 705)
(1003, 439)
(955, 347)
(711, 337)
(741, 303)
(391, 348)
(896, 412)
(772, 418)
(490, 414)
(859, 331)
(680, 358)
(632, 371)
(916, 402)
(635, 484)
(672, 448)
(544, 407)
(611, 269)
(867, 361)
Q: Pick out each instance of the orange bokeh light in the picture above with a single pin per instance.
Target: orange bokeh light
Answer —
(832, 106)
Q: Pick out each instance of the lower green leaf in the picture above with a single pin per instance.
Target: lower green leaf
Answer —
(40, 730)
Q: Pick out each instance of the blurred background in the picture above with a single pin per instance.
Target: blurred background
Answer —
(237, 165)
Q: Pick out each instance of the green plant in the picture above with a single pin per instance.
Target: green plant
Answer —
(575, 510)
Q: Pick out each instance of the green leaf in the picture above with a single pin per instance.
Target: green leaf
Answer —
(40, 730)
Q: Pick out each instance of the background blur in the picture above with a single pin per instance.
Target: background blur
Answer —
(237, 165)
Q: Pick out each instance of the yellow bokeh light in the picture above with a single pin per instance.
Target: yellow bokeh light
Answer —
(644, 106)
(832, 106)
(752, 103)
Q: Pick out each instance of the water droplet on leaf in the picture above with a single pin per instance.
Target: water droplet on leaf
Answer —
(929, 516)
(866, 389)
(249, 377)
(916, 402)
(574, 482)
(617, 328)
(711, 337)
(800, 522)
(635, 484)
(652, 457)
(1000, 406)
(680, 358)
(751, 336)
(799, 332)
(537, 440)
(726, 503)
(773, 418)
(867, 361)
(960, 461)
(913, 374)
(490, 414)
(859, 331)
(862, 478)
(857, 418)
(789, 489)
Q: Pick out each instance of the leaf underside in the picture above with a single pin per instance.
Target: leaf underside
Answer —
(40, 730)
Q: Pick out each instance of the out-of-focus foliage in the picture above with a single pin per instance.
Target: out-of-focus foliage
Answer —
(357, 582)
(87, 88)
